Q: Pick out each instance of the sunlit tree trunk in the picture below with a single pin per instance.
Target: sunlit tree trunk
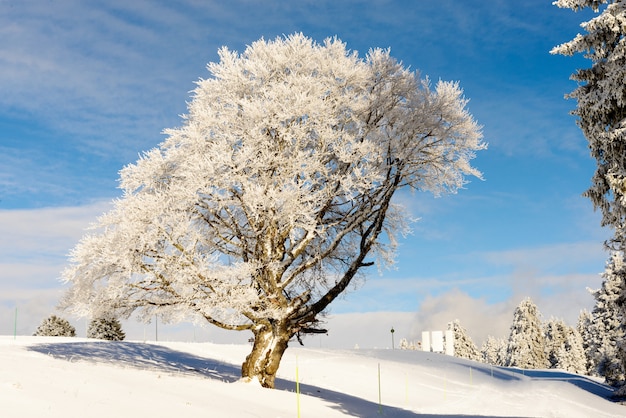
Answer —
(270, 342)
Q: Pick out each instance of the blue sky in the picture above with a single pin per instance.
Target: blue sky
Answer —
(87, 86)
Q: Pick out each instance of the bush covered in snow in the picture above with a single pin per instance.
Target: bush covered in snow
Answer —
(493, 351)
(53, 326)
(105, 329)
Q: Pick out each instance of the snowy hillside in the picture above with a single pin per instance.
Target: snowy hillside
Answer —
(71, 377)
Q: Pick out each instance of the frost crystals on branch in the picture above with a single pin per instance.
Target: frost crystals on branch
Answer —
(275, 193)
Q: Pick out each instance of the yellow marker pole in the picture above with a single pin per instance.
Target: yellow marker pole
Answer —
(380, 403)
(297, 388)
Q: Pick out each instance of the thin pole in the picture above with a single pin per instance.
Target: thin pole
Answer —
(297, 388)
(380, 403)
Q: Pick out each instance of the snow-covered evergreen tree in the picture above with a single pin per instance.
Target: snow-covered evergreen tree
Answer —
(404, 344)
(54, 326)
(493, 351)
(564, 347)
(525, 348)
(601, 112)
(607, 323)
(464, 347)
(555, 332)
(571, 355)
(584, 328)
(275, 194)
(407, 345)
(105, 328)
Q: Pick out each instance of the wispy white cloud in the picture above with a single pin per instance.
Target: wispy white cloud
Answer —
(476, 315)
(44, 234)
(91, 70)
(576, 255)
(33, 253)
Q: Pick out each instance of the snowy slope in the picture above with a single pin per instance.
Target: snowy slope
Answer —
(71, 377)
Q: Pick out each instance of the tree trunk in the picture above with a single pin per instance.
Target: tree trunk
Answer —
(270, 343)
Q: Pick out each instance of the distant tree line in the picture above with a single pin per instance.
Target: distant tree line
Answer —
(594, 347)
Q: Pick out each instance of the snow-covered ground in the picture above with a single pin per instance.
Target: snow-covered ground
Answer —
(72, 377)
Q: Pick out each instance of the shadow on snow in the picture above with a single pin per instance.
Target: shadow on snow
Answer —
(582, 382)
(140, 356)
(146, 356)
(512, 373)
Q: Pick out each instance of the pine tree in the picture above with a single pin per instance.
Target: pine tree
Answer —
(526, 343)
(105, 329)
(555, 332)
(53, 326)
(607, 326)
(493, 351)
(464, 347)
(571, 355)
(404, 344)
(585, 330)
(601, 112)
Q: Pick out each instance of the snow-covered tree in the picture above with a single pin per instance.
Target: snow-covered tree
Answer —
(571, 355)
(493, 351)
(525, 348)
(564, 347)
(105, 328)
(404, 344)
(601, 112)
(274, 195)
(607, 323)
(584, 328)
(464, 347)
(601, 105)
(54, 326)
(555, 332)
